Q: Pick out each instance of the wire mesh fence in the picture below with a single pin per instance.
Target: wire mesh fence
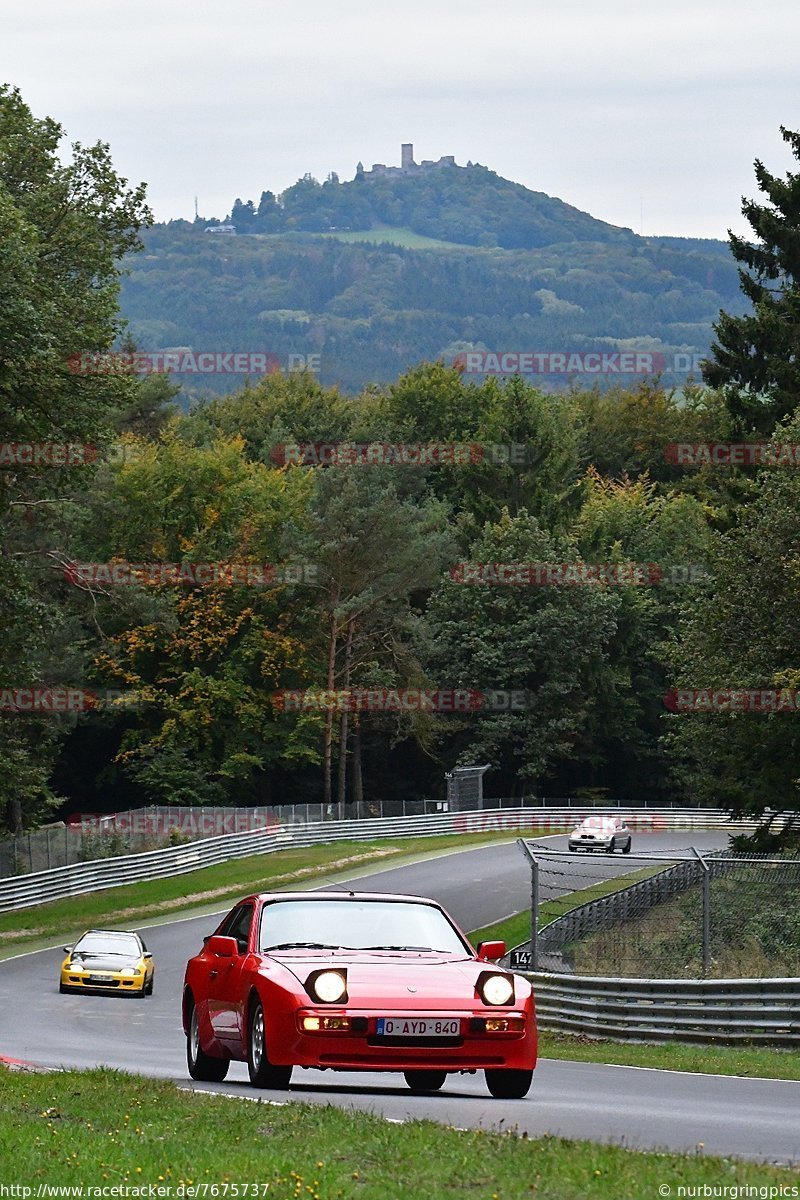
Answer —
(680, 915)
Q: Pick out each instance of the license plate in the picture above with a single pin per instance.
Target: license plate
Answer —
(418, 1027)
(100, 979)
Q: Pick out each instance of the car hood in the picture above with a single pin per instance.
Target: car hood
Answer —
(406, 980)
(100, 963)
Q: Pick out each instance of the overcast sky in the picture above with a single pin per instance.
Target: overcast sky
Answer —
(646, 114)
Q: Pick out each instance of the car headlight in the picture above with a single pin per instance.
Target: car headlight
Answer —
(327, 986)
(127, 971)
(496, 989)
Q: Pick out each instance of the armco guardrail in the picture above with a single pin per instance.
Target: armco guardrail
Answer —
(79, 878)
(718, 1010)
(155, 827)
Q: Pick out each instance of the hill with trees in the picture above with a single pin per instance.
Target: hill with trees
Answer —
(537, 276)
(469, 205)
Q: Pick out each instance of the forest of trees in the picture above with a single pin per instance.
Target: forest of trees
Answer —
(371, 312)
(198, 667)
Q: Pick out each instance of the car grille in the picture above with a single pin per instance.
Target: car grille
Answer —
(391, 1042)
(430, 1060)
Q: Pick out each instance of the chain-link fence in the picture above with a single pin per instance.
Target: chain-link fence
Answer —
(680, 915)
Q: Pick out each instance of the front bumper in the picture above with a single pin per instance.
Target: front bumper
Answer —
(359, 1048)
(73, 982)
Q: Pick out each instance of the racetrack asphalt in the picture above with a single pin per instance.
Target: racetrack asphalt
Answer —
(753, 1118)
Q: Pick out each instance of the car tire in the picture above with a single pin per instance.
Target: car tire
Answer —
(573, 849)
(63, 990)
(149, 986)
(201, 1065)
(627, 849)
(610, 848)
(508, 1084)
(425, 1081)
(263, 1073)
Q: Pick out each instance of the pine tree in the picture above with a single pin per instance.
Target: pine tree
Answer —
(756, 357)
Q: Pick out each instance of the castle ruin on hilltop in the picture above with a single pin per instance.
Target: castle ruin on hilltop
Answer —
(407, 164)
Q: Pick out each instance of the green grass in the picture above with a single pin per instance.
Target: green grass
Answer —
(763, 1062)
(211, 888)
(516, 929)
(397, 236)
(755, 926)
(103, 1128)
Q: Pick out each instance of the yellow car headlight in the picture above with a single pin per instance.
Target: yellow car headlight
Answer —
(128, 971)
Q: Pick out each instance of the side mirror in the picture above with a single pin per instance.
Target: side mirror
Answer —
(490, 951)
(67, 949)
(147, 954)
(223, 947)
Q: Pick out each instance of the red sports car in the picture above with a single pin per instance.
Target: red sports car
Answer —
(355, 982)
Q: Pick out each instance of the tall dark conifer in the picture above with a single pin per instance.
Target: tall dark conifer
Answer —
(756, 357)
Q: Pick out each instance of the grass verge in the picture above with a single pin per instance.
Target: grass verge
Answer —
(103, 1128)
(762, 1062)
(516, 929)
(211, 887)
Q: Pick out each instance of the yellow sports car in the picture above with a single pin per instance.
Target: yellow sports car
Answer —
(104, 960)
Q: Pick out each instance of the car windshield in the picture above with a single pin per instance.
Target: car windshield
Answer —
(597, 824)
(108, 944)
(358, 925)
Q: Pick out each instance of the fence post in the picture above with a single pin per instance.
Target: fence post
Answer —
(534, 915)
(706, 912)
(534, 960)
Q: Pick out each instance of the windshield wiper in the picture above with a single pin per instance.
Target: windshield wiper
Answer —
(421, 949)
(300, 946)
(101, 954)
